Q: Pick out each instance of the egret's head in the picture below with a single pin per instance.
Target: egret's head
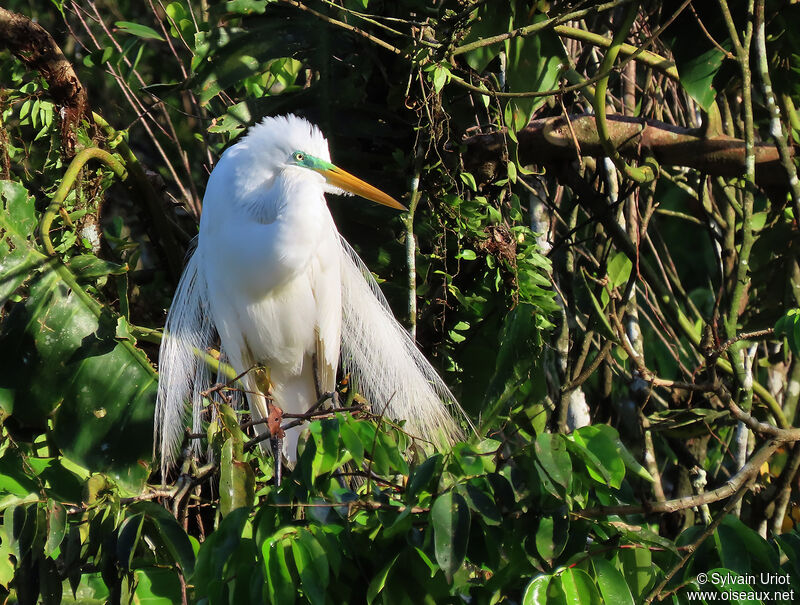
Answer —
(291, 143)
(343, 181)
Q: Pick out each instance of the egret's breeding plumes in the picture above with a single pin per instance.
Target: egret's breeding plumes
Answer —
(274, 279)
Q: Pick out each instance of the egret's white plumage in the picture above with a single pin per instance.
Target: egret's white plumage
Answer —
(274, 279)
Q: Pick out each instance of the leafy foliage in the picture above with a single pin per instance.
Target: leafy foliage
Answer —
(537, 279)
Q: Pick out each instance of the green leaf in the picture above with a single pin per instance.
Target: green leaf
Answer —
(128, 538)
(487, 21)
(56, 526)
(788, 326)
(551, 536)
(552, 455)
(157, 587)
(18, 265)
(379, 580)
(88, 266)
(138, 30)
(236, 481)
(220, 549)
(450, 520)
(441, 75)
(637, 568)
(591, 462)
(13, 478)
(482, 503)
(697, 75)
(308, 567)
(246, 7)
(469, 180)
(60, 359)
(326, 437)
(172, 535)
(619, 270)
(533, 64)
(351, 440)
(578, 587)
(421, 476)
(757, 547)
(604, 448)
(280, 584)
(612, 584)
(511, 167)
(536, 591)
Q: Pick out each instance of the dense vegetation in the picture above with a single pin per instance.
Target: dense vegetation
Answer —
(600, 256)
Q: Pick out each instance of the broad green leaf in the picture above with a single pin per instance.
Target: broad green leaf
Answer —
(533, 64)
(128, 538)
(551, 535)
(731, 550)
(56, 526)
(307, 567)
(604, 448)
(236, 481)
(421, 476)
(326, 437)
(630, 462)
(157, 587)
(319, 558)
(611, 583)
(88, 266)
(578, 587)
(280, 584)
(450, 520)
(487, 21)
(379, 580)
(697, 75)
(60, 358)
(591, 462)
(552, 455)
(788, 326)
(246, 7)
(351, 440)
(172, 535)
(637, 568)
(13, 478)
(619, 269)
(481, 502)
(536, 591)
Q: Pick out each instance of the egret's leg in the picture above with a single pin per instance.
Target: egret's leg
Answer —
(277, 455)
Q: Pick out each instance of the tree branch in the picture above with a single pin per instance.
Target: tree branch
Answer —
(35, 47)
(553, 140)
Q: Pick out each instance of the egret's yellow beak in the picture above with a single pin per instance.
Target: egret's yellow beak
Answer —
(344, 180)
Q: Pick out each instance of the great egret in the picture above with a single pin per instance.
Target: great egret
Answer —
(274, 279)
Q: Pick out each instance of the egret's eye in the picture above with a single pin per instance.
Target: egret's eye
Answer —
(298, 156)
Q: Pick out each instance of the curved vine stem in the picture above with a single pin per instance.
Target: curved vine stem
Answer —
(78, 162)
(641, 174)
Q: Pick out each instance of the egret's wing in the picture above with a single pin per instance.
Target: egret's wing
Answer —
(326, 277)
(188, 334)
(389, 369)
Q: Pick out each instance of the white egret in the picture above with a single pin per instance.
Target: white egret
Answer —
(274, 279)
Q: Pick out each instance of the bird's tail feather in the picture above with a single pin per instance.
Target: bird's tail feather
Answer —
(390, 370)
(182, 374)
